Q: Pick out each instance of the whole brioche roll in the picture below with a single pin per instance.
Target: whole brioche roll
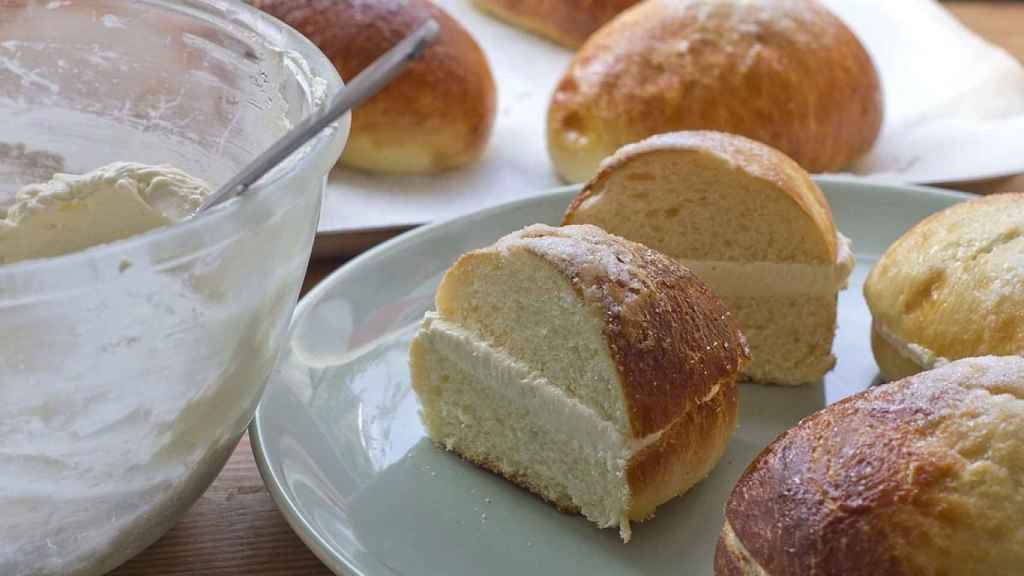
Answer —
(924, 476)
(568, 22)
(951, 287)
(784, 72)
(436, 115)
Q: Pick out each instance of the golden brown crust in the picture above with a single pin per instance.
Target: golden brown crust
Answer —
(899, 480)
(952, 284)
(784, 72)
(684, 454)
(670, 337)
(568, 22)
(437, 114)
(756, 160)
(732, 558)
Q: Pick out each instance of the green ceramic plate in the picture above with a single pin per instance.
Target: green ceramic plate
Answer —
(340, 446)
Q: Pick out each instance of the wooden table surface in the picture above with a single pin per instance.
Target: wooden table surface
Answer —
(235, 528)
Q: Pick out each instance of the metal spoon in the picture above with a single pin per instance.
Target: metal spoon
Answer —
(363, 86)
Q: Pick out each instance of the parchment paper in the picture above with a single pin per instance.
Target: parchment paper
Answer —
(954, 112)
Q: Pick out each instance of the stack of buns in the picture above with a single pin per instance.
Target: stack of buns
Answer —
(593, 371)
(749, 222)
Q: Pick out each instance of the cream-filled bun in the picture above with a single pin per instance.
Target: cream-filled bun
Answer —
(951, 287)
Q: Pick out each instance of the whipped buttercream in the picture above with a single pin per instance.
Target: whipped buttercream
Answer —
(74, 212)
(511, 378)
(923, 357)
(506, 377)
(734, 278)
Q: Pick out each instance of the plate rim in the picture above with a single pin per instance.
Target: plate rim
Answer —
(873, 180)
(296, 521)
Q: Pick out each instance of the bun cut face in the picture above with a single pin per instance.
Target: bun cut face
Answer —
(749, 222)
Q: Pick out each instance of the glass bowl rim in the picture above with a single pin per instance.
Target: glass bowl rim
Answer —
(320, 151)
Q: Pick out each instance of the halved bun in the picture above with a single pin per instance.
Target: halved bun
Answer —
(595, 372)
(747, 220)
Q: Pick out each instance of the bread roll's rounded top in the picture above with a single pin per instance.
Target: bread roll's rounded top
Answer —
(568, 22)
(436, 114)
(785, 72)
(921, 476)
(671, 339)
(953, 285)
(682, 159)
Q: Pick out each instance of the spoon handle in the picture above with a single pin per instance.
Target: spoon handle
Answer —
(363, 86)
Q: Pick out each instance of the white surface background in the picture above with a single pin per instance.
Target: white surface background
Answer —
(954, 112)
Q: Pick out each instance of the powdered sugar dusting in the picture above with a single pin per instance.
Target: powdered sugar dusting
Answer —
(592, 257)
(737, 151)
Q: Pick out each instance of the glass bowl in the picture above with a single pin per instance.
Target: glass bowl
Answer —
(129, 371)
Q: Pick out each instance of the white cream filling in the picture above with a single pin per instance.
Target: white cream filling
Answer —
(924, 358)
(74, 212)
(735, 278)
(507, 377)
(515, 382)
